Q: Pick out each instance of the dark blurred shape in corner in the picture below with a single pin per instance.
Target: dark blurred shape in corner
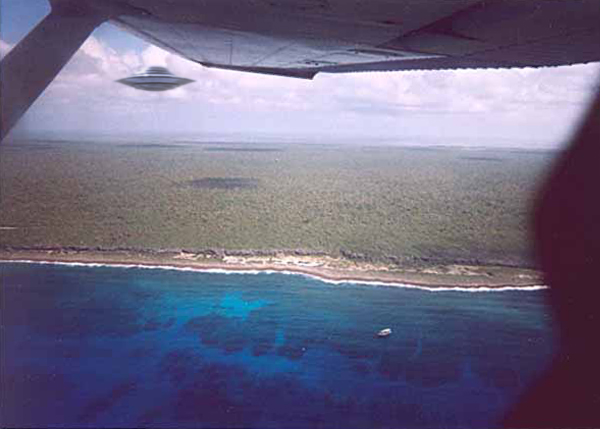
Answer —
(567, 228)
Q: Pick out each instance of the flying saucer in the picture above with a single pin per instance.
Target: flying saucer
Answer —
(155, 79)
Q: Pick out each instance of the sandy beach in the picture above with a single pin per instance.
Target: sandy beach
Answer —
(453, 276)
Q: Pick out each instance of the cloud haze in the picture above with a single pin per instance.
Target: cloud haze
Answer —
(530, 104)
(4, 48)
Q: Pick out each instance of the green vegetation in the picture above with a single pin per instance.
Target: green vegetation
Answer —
(375, 202)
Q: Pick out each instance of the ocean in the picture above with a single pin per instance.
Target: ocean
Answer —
(106, 346)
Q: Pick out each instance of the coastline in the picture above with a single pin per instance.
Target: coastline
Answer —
(323, 267)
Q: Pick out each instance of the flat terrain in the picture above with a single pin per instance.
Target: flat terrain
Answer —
(405, 205)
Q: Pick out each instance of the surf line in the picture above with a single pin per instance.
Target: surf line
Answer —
(472, 289)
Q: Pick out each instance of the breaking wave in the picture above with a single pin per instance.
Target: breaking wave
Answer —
(473, 289)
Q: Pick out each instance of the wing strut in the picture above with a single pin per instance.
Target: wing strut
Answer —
(31, 65)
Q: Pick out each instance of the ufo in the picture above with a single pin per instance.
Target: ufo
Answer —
(155, 79)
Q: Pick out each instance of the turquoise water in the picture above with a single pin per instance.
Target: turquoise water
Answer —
(122, 347)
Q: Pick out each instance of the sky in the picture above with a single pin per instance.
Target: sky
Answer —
(512, 107)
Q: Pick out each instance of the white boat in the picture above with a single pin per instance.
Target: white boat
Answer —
(384, 332)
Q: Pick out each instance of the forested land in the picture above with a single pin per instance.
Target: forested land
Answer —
(369, 201)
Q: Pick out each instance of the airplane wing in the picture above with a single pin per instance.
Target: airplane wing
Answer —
(300, 38)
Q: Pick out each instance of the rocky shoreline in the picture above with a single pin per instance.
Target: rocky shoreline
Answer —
(413, 272)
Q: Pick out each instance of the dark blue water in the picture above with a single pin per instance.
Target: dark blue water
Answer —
(122, 347)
